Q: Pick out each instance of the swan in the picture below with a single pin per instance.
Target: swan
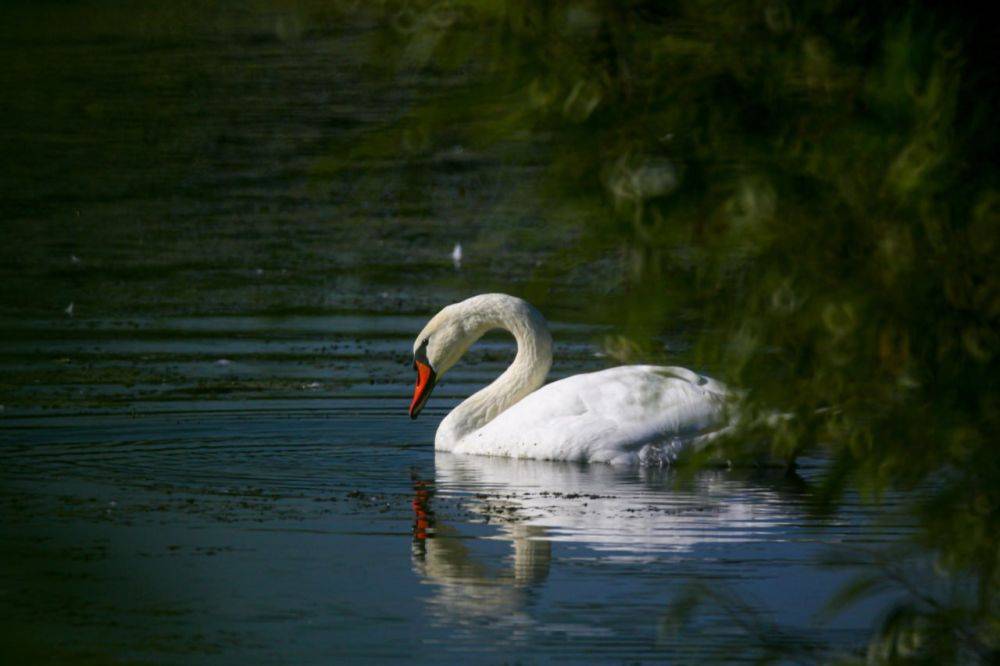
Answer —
(635, 414)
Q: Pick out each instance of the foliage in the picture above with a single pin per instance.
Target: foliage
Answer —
(810, 187)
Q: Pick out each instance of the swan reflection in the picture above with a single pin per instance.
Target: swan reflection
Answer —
(485, 528)
(469, 585)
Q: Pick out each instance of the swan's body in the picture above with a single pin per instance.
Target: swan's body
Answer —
(629, 414)
(624, 415)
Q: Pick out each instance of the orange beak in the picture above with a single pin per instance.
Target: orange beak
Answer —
(422, 391)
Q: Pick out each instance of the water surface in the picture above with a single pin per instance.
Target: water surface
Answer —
(282, 506)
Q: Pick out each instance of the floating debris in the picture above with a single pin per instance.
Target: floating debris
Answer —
(456, 256)
(69, 309)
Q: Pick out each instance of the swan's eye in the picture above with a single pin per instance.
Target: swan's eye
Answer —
(421, 353)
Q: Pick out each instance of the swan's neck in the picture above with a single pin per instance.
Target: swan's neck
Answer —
(525, 374)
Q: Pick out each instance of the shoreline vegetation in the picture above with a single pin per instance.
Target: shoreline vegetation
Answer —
(810, 188)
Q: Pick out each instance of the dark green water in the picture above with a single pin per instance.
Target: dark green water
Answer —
(204, 373)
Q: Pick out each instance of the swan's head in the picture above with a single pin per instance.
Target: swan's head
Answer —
(444, 340)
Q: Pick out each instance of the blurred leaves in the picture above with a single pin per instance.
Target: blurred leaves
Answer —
(810, 187)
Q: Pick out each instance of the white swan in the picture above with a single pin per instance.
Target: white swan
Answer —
(626, 415)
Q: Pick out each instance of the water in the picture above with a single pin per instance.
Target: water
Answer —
(283, 507)
(208, 459)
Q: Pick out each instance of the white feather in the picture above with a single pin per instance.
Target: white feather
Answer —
(626, 415)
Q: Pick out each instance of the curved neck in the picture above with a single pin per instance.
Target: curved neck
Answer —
(525, 374)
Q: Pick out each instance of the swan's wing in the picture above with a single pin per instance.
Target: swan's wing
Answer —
(604, 416)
